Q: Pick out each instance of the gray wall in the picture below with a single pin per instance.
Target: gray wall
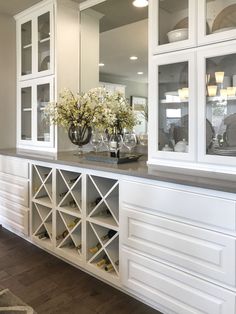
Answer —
(7, 82)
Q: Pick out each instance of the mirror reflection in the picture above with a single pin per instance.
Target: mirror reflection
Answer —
(114, 52)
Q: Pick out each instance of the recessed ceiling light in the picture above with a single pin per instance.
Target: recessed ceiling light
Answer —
(101, 64)
(140, 73)
(133, 58)
(140, 3)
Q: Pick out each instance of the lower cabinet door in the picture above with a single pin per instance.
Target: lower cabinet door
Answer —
(170, 290)
(15, 216)
(14, 189)
(197, 250)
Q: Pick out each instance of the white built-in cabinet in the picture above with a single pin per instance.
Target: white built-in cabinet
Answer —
(192, 84)
(177, 246)
(14, 194)
(46, 33)
(75, 214)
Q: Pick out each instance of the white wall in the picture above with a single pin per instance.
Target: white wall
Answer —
(132, 88)
(7, 82)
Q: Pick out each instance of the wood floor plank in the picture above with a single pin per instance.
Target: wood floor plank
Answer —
(52, 286)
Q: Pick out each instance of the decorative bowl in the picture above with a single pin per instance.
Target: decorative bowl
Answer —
(178, 35)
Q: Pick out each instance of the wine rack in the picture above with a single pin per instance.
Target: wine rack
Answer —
(42, 213)
(42, 224)
(42, 185)
(68, 215)
(102, 226)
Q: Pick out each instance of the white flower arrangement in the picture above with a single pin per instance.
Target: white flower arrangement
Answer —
(96, 109)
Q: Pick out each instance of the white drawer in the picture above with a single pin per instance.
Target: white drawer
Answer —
(14, 166)
(171, 290)
(14, 189)
(14, 216)
(211, 212)
(198, 250)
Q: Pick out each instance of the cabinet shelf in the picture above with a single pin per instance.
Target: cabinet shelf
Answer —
(220, 98)
(164, 101)
(27, 46)
(44, 40)
(27, 109)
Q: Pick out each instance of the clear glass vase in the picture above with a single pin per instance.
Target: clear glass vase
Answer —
(80, 136)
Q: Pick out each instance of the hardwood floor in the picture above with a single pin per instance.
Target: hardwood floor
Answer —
(51, 286)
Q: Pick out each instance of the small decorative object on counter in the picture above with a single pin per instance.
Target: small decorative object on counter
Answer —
(97, 109)
(181, 146)
(167, 148)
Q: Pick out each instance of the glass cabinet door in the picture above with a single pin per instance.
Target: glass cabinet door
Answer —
(173, 113)
(44, 38)
(217, 20)
(26, 113)
(173, 24)
(26, 48)
(43, 123)
(219, 98)
(172, 87)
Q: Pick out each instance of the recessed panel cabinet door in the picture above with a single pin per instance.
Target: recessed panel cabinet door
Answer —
(194, 249)
(171, 290)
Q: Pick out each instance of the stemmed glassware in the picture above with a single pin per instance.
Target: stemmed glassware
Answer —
(130, 141)
(143, 139)
(96, 140)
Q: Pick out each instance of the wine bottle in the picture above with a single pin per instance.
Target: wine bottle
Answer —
(103, 261)
(109, 267)
(62, 194)
(72, 204)
(73, 223)
(117, 263)
(63, 235)
(96, 248)
(109, 235)
(104, 212)
(43, 235)
(73, 180)
(79, 246)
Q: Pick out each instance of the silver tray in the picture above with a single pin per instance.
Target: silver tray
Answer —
(226, 151)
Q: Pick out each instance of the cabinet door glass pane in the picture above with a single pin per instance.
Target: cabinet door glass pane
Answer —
(221, 105)
(44, 42)
(173, 21)
(173, 107)
(26, 48)
(220, 15)
(43, 125)
(26, 113)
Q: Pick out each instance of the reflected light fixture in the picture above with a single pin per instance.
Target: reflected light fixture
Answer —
(133, 58)
(140, 3)
(140, 73)
(101, 64)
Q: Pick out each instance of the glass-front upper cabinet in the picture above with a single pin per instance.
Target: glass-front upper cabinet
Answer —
(35, 44)
(173, 24)
(34, 127)
(217, 100)
(173, 87)
(216, 20)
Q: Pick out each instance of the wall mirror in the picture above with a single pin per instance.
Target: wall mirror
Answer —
(114, 49)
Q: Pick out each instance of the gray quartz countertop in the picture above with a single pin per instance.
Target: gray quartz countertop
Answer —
(197, 178)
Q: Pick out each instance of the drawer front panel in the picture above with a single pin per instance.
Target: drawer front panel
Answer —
(15, 216)
(14, 189)
(175, 291)
(213, 212)
(204, 252)
(14, 166)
